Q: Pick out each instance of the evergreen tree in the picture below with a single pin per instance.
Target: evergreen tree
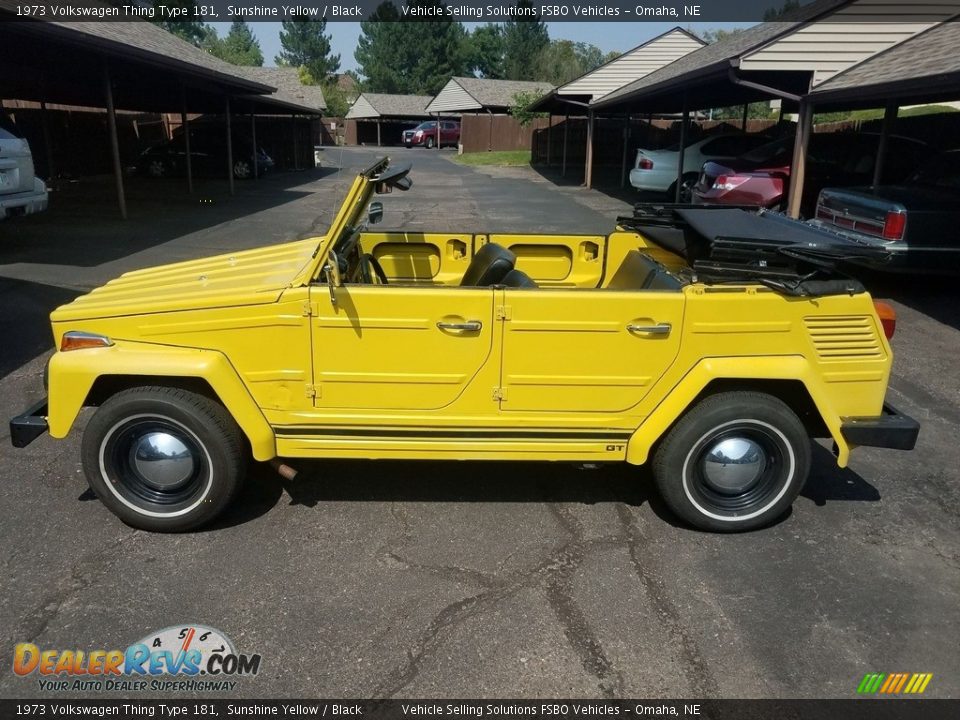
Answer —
(524, 39)
(398, 55)
(304, 44)
(239, 47)
(193, 31)
(486, 51)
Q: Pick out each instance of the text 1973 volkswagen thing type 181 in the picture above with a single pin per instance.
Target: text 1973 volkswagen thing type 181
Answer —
(460, 346)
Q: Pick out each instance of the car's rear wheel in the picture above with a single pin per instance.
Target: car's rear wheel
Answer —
(735, 462)
(163, 459)
(156, 168)
(242, 169)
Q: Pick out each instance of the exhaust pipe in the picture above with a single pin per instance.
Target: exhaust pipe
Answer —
(283, 470)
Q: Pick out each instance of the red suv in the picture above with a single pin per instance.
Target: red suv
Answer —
(426, 134)
(761, 177)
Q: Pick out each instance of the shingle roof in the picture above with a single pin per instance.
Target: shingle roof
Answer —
(929, 54)
(145, 42)
(500, 93)
(289, 88)
(395, 105)
(722, 53)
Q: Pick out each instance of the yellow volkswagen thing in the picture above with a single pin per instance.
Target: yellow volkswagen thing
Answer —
(410, 345)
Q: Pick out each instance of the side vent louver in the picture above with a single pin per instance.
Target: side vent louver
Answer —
(844, 337)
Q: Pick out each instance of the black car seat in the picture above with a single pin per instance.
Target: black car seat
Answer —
(489, 266)
(518, 279)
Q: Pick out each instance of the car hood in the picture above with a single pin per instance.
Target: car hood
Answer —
(250, 277)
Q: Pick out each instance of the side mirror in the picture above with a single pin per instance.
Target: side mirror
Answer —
(331, 269)
(375, 213)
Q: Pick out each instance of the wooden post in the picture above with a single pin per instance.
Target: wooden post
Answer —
(684, 122)
(746, 116)
(626, 148)
(47, 144)
(889, 119)
(185, 127)
(379, 144)
(588, 169)
(114, 140)
(253, 135)
(566, 132)
(296, 143)
(549, 136)
(799, 167)
(490, 131)
(229, 149)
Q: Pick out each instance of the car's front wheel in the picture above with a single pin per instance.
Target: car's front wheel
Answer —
(430, 143)
(156, 168)
(735, 462)
(163, 459)
(242, 169)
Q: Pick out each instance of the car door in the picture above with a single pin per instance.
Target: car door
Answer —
(383, 347)
(572, 351)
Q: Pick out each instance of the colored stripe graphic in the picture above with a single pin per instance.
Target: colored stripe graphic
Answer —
(894, 683)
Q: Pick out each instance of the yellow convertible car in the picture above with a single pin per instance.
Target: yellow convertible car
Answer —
(717, 369)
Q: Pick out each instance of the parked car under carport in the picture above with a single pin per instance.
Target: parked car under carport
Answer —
(21, 191)
(208, 156)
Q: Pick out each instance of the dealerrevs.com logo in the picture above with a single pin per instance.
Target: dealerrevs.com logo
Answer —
(175, 659)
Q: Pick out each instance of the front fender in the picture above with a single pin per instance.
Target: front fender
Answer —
(72, 374)
(679, 399)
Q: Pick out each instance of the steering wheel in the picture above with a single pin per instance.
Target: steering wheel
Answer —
(368, 261)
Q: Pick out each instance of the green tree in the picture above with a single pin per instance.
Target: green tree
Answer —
(520, 107)
(523, 39)
(379, 53)
(716, 35)
(305, 44)
(563, 60)
(788, 8)
(398, 55)
(486, 51)
(193, 31)
(239, 47)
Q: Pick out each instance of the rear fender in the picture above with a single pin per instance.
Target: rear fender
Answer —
(680, 398)
(72, 375)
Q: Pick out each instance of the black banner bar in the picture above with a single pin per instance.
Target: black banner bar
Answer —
(866, 709)
(681, 12)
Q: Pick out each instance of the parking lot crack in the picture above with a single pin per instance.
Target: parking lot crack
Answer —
(696, 669)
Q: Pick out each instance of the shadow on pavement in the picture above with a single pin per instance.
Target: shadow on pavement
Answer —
(83, 226)
(24, 320)
(828, 483)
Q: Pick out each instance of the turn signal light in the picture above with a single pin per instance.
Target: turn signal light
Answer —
(79, 340)
(888, 318)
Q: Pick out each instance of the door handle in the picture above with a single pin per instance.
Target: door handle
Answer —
(658, 329)
(468, 326)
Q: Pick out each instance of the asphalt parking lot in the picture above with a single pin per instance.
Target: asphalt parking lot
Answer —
(364, 579)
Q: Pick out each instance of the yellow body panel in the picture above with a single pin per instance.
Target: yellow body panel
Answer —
(587, 367)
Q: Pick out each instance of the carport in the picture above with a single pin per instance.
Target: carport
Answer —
(785, 60)
(385, 114)
(922, 70)
(481, 95)
(574, 97)
(131, 66)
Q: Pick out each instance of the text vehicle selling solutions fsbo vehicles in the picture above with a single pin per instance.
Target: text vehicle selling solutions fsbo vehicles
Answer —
(415, 345)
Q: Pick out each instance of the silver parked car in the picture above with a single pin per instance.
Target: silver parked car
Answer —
(21, 191)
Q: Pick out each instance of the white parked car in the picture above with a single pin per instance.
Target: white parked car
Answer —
(21, 192)
(656, 170)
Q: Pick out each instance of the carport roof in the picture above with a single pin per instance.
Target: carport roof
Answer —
(925, 68)
(136, 40)
(698, 71)
(648, 57)
(465, 93)
(369, 106)
(290, 92)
